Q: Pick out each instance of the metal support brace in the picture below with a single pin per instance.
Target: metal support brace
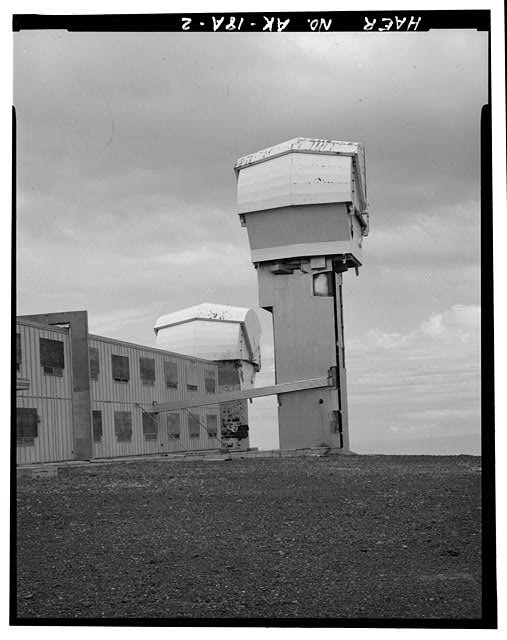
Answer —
(330, 381)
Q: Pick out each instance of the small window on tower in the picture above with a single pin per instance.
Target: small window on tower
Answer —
(323, 284)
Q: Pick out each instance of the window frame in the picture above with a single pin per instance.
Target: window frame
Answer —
(50, 364)
(215, 433)
(170, 368)
(120, 426)
(192, 376)
(147, 381)
(19, 352)
(115, 357)
(26, 439)
(172, 434)
(210, 377)
(194, 422)
(149, 421)
(94, 362)
(97, 413)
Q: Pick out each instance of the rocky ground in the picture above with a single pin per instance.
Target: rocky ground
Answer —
(315, 537)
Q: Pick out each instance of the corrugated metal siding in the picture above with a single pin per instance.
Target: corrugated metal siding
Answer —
(50, 395)
(41, 384)
(55, 436)
(109, 396)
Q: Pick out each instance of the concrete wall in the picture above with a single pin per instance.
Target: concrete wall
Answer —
(308, 334)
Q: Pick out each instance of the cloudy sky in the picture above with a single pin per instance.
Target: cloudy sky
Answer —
(127, 199)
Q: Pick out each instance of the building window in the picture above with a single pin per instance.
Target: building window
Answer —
(51, 357)
(194, 427)
(212, 425)
(97, 426)
(173, 426)
(19, 359)
(120, 365)
(93, 354)
(150, 426)
(192, 377)
(26, 426)
(228, 375)
(147, 370)
(210, 381)
(171, 374)
(123, 426)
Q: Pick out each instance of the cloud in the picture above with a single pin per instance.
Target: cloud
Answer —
(460, 322)
(178, 99)
(431, 237)
(412, 392)
(457, 325)
(408, 387)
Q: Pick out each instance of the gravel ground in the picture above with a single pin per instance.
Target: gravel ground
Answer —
(316, 537)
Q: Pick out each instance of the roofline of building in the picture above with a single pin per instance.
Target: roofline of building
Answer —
(39, 325)
(300, 145)
(124, 343)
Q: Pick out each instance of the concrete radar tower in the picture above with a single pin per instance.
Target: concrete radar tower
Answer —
(304, 205)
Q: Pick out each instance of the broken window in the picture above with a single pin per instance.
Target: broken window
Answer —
(194, 427)
(171, 374)
(18, 352)
(51, 356)
(123, 426)
(26, 425)
(147, 370)
(120, 365)
(210, 381)
(150, 426)
(212, 425)
(173, 426)
(97, 426)
(93, 354)
(192, 377)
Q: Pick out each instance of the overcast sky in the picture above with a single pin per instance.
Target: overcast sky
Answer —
(127, 199)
